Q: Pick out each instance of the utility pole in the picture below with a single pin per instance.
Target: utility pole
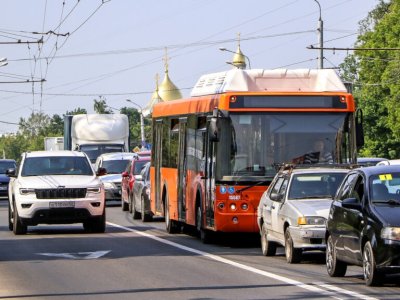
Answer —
(320, 38)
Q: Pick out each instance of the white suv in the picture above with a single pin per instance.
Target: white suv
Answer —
(55, 187)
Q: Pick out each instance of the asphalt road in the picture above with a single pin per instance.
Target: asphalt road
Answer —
(135, 260)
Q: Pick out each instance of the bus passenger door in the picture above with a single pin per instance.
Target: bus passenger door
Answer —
(157, 165)
(182, 169)
(209, 161)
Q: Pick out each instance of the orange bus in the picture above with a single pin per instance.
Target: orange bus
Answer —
(215, 153)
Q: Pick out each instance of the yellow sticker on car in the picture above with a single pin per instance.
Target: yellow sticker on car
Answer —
(383, 177)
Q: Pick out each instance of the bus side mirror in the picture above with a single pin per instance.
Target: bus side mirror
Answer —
(359, 129)
(213, 130)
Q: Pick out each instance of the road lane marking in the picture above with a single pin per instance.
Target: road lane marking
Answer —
(78, 255)
(317, 288)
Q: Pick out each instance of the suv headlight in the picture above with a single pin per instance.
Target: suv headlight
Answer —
(311, 221)
(95, 189)
(391, 233)
(26, 191)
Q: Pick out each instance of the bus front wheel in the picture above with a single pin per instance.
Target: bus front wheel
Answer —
(171, 226)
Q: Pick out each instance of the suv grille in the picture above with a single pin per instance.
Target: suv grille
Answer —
(60, 193)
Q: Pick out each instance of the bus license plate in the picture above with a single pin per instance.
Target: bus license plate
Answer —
(62, 204)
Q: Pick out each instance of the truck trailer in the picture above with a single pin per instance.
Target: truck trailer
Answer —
(96, 134)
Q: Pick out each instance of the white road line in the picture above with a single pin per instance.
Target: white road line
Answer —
(317, 288)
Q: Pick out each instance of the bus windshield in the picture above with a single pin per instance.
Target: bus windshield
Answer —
(259, 142)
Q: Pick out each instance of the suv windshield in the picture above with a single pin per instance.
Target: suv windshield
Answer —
(56, 165)
(316, 185)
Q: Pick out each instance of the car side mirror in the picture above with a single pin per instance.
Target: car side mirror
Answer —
(351, 203)
(276, 197)
(125, 174)
(11, 172)
(101, 171)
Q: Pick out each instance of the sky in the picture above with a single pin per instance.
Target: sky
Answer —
(113, 49)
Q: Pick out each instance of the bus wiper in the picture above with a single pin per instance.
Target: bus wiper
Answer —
(252, 185)
(390, 202)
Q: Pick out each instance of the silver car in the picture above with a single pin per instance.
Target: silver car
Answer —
(293, 211)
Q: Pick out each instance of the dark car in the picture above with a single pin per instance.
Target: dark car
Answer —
(363, 226)
(128, 178)
(5, 164)
(140, 205)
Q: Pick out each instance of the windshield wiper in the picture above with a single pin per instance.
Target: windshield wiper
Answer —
(252, 185)
(390, 202)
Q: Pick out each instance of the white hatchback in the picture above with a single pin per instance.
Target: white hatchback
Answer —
(292, 213)
(55, 187)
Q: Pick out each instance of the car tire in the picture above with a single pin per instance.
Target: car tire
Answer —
(18, 227)
(372, 276)
(130, 204)
(136, 214)
(124, 205)
(267, 248)
(144, 216)
(171, 226)
(10, 220)
(293, 255)
(334, 267)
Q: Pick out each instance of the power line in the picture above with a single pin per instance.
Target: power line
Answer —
(353, 49)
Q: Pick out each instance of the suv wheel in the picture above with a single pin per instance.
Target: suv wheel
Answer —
(18, 226)
(293, 255)
(371, 275)
(334, 267)
(10, 218)
(97, 225)
(268, 248)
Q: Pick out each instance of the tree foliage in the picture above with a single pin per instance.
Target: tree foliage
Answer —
(375, 72)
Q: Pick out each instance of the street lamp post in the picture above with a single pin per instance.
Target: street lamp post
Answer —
(321, 38)
(141, 122)
(227, 50)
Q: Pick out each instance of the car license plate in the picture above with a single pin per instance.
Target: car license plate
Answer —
(3, 188)
(62, 204)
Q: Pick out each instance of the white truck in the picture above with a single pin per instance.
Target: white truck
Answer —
(54, 143)
(96, 134)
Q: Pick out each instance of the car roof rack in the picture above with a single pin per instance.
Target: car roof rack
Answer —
(291, 166)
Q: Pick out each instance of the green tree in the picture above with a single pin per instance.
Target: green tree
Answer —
(100, 106)
(375, 74)
(76, 111)
(134, 126)
(35, 125)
